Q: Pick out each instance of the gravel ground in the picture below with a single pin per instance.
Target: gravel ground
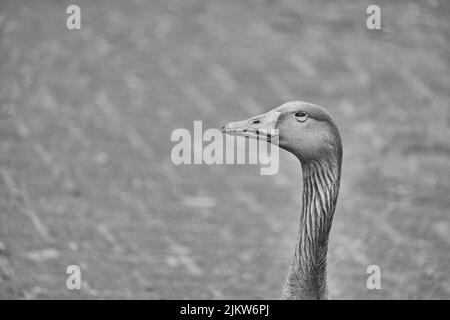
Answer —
(85, 123)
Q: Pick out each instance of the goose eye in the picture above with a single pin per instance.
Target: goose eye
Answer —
(301, 116)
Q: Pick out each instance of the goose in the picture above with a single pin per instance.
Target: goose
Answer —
(308, 132)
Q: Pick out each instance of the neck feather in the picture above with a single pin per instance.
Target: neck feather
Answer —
(307, 273)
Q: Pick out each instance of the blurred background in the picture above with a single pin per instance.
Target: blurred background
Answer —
(85, 123)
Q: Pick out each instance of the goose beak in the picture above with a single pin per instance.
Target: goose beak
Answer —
(262, 127)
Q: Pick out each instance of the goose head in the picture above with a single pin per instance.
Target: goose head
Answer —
(304, 129)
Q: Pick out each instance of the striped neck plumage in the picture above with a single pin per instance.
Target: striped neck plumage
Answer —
(307, 274)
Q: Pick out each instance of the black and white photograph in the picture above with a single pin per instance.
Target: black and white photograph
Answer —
(204, 150)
